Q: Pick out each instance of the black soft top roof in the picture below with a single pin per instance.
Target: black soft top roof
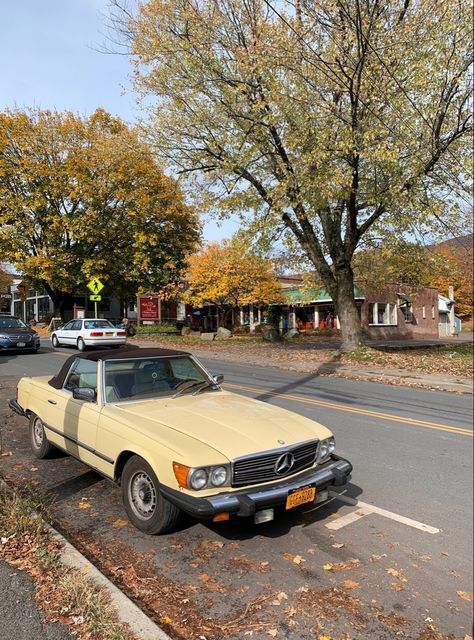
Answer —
(117, 354)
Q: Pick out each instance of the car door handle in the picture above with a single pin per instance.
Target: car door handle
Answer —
(52, 402)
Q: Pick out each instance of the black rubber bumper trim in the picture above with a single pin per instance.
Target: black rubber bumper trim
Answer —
(336, 472)
(14, 406)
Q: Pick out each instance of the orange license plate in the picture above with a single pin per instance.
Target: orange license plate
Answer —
(300, 496)
(109, 333)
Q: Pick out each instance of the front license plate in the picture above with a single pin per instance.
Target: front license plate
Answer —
(300, 496)
(21, 344)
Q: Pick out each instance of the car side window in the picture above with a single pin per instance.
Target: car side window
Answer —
(77, 325)
(83, 373)
(68, 326)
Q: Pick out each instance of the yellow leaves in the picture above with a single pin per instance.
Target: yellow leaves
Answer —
(396, 574)
(66, 198)
(342, 566)
(230, 274)
(296, 559)
(465, 595)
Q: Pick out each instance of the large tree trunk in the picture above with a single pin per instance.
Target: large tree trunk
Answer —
(346, 309)
(59, 299)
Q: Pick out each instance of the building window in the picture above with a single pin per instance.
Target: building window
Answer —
(43, 308)
(407, 311)
(423, 312)
(382, 313)
(432, 312)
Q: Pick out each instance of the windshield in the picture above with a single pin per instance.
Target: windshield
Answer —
(98, 324)
(152, 377)
(12, 323)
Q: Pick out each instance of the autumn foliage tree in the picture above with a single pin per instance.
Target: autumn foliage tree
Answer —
(84, 197)
(229, 275)
(328, 120)
(408, 263)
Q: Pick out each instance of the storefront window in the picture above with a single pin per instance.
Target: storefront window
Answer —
(43, 308)
(382, 313)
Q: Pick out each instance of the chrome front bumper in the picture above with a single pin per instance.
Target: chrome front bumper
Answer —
(336, 472)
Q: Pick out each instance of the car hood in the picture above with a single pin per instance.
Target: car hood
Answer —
(18, 332)
(229, 423)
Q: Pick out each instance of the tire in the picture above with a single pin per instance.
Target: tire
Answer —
(39, 443)
(81, 345)
(55, 341)
(145, 505)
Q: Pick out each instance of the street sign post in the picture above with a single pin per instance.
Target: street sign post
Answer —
(96, 286)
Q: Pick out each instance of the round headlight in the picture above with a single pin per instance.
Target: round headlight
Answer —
(323, 450)
(331, 444)
(198, 479)
(218, 476)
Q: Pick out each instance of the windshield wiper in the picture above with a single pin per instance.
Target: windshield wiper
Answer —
(192, 384)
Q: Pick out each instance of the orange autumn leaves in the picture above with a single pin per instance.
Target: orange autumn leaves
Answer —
(229, 275)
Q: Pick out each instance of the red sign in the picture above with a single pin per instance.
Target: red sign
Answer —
(149, 308)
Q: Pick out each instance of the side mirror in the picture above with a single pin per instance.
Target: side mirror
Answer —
(219, 378)
(84, 393)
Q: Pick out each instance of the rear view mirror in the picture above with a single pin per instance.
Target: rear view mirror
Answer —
(218, 378)
(84, 393)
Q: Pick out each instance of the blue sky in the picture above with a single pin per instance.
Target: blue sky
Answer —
(48, 50)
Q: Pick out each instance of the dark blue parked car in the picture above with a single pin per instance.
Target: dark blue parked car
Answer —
(15, 335)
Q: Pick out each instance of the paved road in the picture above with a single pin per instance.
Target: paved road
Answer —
(19, 615)
(410, 530)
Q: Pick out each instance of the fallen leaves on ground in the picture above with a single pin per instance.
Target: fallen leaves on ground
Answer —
(279, 599)
(465, 595)
(297, 559)
(396, 574)
(119, 523)
(350, 584)
(351, 565)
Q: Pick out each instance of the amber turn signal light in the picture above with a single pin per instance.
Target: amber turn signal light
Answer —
(181, 473)
(219, 517)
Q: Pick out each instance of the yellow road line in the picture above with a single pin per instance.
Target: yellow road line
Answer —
(341, 407)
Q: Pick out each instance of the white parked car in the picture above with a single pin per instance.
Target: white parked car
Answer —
(88, 332)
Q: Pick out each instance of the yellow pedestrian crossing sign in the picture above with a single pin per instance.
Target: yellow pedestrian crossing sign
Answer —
(96, 298)
(95, 285)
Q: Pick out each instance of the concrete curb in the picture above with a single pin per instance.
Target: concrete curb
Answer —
(127, 611)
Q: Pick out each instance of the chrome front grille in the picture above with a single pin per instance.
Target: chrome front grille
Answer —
(19, 338)
(263, 467)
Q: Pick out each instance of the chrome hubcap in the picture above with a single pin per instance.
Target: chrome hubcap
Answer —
(38, 433)
(142, 494)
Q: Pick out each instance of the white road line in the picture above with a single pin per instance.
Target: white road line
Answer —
(334, 525)
(365, 509)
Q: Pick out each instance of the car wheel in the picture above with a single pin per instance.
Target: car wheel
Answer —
(146, 507)
(55, 341)
(81, 345)
(39, 443)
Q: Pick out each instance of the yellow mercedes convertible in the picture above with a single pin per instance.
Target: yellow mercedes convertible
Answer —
(157, 423)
